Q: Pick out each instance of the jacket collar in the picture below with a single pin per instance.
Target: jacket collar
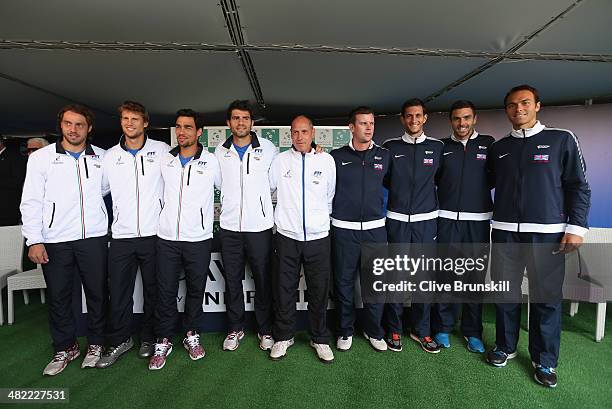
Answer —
(124, 146)
(175, 151)
(526, 133)
(60, 149)
(350, 144)
(409, 139)
(474, 136)
(254, 141)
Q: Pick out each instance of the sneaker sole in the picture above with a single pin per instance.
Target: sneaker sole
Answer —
(394, 349)
(164, 364)
(416, 339)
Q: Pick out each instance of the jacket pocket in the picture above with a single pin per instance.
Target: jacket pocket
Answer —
(202, 218)
(52, 215)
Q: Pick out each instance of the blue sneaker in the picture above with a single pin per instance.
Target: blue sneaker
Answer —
(442, 339)
(474, 344)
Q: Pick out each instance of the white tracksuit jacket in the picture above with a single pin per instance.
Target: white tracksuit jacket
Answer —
(189, 194)
(305, 185)
(62, 197)
(246, 203)
(137, 188)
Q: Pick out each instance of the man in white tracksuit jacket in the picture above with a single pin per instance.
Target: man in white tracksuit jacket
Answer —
(185, 233)
(246, 222)
(305, 182)
(133, 170)
(65, 226)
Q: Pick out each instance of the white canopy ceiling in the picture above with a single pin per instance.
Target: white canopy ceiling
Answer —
(317, 57)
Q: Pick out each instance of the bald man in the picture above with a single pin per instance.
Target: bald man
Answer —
(305, 182)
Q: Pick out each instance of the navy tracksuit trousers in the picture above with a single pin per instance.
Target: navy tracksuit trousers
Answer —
(414, 232)
(346, 250)
(545, 272)
(444, 315)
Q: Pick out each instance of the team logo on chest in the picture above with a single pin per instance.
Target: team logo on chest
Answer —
(151, 156)
(317, 176)
(540, 158)
(378, 166)
(428, 161)
(481, 156)
(257, 153)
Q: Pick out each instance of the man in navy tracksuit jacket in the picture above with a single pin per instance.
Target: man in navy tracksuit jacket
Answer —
(542, 200)
(412, 210)
(357, 217)
(464, 195)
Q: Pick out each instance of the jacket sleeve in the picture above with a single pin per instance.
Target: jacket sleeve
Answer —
(105, 182)
(273, 174)
(331, 184)
(32, 200)
(576, 190)
(217, 172)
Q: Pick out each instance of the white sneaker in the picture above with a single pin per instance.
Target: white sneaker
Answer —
(266, 342)
(61, 360)
(94, 352)
(378, 344)
(279, 349)
(344, 343)
(232, 340)
(324, 352)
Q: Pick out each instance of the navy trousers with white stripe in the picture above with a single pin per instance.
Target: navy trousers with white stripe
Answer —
(444, 316)
(414, 232)
(346, 250)
(546, 272)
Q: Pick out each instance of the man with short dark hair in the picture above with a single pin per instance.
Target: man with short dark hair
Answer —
(133, 170)
(190, 174)
(357, 217)
(412, 210)
(65, 224)
(246, 223)
(464, 196)
(542, 201)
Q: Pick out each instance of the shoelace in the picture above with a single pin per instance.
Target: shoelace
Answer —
(94, 350)
(428, 340)
(232, 335)
(546, 370)
(193, 341)
(160, 349)
(60, 356)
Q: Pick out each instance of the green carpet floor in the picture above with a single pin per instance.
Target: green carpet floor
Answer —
(359, 378)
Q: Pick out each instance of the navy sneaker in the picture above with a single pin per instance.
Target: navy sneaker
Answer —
(499, 358)
(545, 376)
(442, 339)
(475, 345)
